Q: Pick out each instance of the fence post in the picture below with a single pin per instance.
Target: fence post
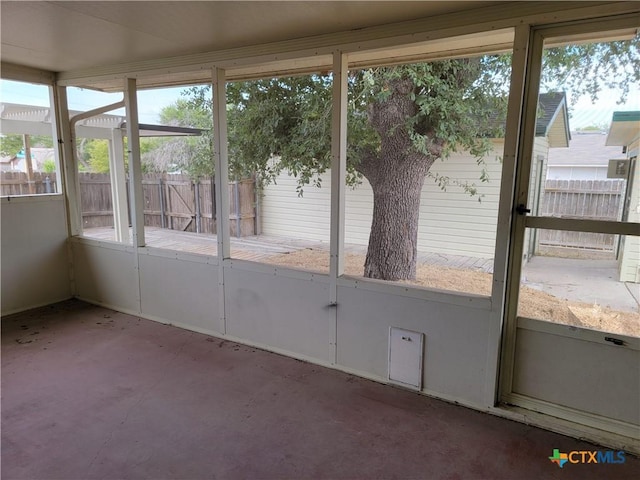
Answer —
(27, 158)
(214, 217)
(196, 193)
(163, 222)
(257, 230)
(238, 222)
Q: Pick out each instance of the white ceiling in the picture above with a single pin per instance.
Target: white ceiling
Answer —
(77, 35)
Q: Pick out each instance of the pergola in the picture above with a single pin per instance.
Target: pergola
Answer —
(33, 120)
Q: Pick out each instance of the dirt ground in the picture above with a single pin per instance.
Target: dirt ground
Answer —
(533, 303)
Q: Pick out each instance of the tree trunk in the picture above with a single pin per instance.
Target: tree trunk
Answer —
(396, 174)
(393, 241)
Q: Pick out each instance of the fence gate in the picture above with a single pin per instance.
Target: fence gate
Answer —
(582, 199)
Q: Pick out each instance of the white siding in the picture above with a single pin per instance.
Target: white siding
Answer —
(630, 257)
(630, 260)
(558, 132)
(539, 160)
(451, 221)
(286, 214)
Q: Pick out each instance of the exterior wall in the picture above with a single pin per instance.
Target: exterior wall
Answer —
(629, 260)
(558, 131)
(539, 171)
(35, 261)
(451, 221)
(285, 214)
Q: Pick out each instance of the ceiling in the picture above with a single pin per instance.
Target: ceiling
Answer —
(75, 35)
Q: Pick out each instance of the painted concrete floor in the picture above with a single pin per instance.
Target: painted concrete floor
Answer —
(89, 393)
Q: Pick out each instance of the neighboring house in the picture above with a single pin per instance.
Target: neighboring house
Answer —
(451, 222)
(18, 163)
(625, 133)
(586, 158)
(9, 163)
(577, 186)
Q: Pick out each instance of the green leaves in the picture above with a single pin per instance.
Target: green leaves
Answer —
(11, 144)
(587, 69)
(279, 124)
(451, 106)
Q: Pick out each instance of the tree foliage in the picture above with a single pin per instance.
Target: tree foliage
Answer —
(96, 155)
(12, 144)
(589, 68)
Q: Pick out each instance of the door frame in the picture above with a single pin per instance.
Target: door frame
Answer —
(520, 222)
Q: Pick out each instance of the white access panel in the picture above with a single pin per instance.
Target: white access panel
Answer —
(405, 357)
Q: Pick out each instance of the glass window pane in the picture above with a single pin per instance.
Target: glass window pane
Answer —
(178, 169)
(28, 163)
(426, 143)
(99, 149)
(279, 156)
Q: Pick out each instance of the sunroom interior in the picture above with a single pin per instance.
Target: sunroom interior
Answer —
(475, 350)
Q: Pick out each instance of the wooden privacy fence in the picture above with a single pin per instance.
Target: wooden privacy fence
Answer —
(171, 201)
(18, 183)
(581, 199)
(95, 200)
(177, 203)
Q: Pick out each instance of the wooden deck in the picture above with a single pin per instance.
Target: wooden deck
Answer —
(260, 247)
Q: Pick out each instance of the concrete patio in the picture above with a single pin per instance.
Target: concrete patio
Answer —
(89, 393)
(589, 281)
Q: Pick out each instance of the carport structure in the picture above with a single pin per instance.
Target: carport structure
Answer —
(473, 350)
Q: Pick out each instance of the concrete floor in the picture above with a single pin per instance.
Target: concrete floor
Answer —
(584, 280)
(89, 393)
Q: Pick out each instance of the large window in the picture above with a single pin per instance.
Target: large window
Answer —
(28, 160)
(100, 165)
(425, 151)
(172, 164)
(279, 156)
(178, 170)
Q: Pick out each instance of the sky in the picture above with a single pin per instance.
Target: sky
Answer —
(151, 102)
(585, 114)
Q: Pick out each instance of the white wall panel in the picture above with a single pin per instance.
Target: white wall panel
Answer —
(289, 314)
(455, 340)
(180, 292)
(106, 274)
(35, 263)
(592, 377)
